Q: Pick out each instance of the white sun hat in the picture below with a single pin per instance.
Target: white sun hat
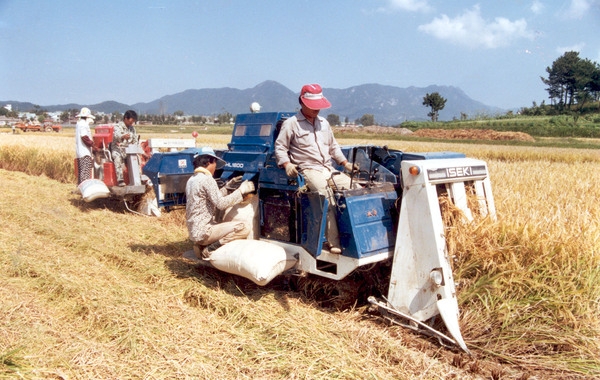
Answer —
(85, 112)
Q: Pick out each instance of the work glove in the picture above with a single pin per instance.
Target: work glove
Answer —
(233, 183)
(350, 167)
(246, 187)
(290, 170)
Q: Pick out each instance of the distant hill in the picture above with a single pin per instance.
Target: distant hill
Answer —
(106, 107)
(390, 105)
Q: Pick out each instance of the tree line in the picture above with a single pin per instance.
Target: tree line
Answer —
(164, 119)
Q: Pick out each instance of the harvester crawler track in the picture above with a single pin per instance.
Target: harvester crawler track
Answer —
(343, 294)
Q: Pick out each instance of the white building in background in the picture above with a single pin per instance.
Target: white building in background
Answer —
(27, 116)
(55, 116)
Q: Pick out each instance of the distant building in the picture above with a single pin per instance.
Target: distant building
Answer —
(55, 116)
(8, 120)
(27, 115)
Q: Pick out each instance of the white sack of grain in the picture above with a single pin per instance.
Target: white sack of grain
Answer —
(256, 260)
(92, 189)
(247, 212)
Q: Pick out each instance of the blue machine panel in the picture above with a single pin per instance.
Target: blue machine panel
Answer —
(256, 132)
(246, 162)
(314, 214)
(366, 225)
(252, 143)
(169, 173)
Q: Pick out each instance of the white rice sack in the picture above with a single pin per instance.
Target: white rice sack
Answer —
(247, 212)
(256, 260)
(91, 189)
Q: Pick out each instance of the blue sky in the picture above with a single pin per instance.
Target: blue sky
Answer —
(86, 52)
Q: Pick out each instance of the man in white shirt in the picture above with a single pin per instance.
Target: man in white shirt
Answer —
(83, 145)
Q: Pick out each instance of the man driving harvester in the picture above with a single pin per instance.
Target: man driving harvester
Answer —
(306, 145)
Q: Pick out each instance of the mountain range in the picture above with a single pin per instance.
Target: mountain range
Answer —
(390, 105)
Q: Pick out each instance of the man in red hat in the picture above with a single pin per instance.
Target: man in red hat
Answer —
(306, 145)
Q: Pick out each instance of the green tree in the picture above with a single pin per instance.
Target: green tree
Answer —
(64, 116)
(199, 119)
(116, 117)
(572, 80)
(333, 119)
(595, 85)
(583, 80)
(436, 102)
(224, 117)
(560, 79)
(569, 78)
(366, 119)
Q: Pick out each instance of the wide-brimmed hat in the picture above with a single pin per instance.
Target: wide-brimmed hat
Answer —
(208, 151)
(311, 96)
(85, 112)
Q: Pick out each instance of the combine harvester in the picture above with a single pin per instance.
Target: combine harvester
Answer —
(137, 185)
(394, 219)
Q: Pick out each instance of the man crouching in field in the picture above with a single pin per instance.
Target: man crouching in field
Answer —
(204, 198)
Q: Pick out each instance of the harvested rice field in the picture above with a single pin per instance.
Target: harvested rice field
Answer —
(90, 290)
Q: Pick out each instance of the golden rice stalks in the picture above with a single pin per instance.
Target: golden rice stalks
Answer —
(55, 164)
(54, 157)
(529, 283)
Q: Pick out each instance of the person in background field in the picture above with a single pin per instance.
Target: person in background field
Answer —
(83, 145)
(204, 199)
(124, 134)
(306, 145)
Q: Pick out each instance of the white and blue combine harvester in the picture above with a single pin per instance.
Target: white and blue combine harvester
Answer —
(393, 220)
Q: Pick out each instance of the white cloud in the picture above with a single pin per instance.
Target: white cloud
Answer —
(471, 30)
(577, 47)
(578, 9)
(537, 7)
(410, 5)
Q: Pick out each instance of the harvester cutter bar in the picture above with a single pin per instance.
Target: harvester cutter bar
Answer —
(430, 331)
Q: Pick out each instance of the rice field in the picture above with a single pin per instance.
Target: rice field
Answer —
(91, 291)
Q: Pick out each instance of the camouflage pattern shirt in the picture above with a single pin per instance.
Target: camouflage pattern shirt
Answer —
(119, 142)
(203, 199)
